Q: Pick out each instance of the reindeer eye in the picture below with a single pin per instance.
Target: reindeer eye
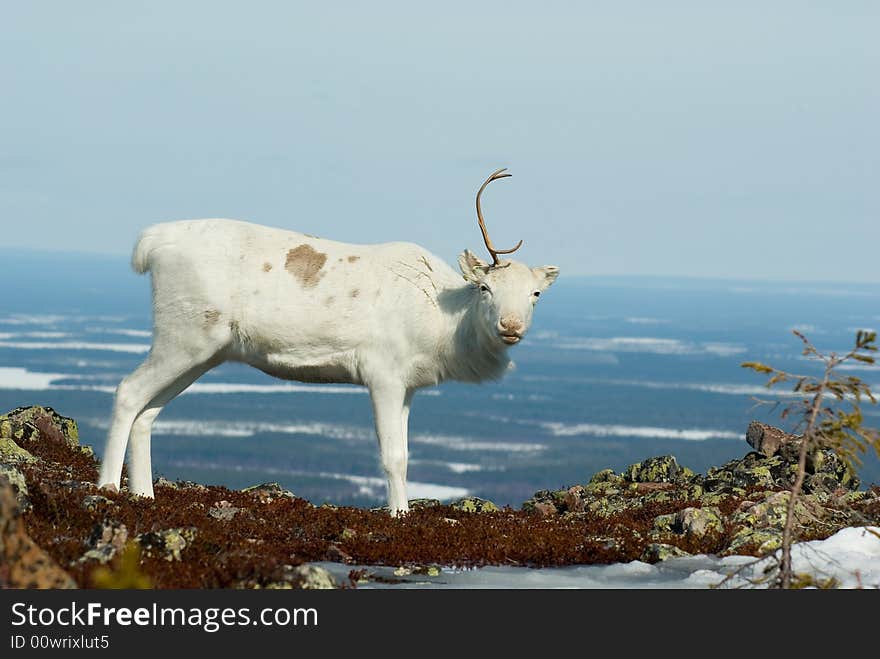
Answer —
(484, 288)
(537, 293)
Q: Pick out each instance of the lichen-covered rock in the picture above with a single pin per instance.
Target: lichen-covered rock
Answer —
(106, 540)
(167, 544)
(772, 511)
(414, 504)
(94, 502)
(830, 472)
(19, 486)
(23, 564)
(576, 498)
(608, 506)
(305, 577)
(417, 504)
(542, 508)
(820, 483)
(658, 551)
(223, 510)
(268, 492)
(753, 470)
(475, 505)
(602, 489)
(698, 522)
(312, 577)
(760, 541)
(26, 423)
(664, 523)
(663, 469)
(606, 476)
(12, 453)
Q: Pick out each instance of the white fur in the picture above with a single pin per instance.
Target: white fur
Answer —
(392, 317)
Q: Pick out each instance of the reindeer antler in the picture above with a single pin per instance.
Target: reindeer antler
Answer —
(494, 252)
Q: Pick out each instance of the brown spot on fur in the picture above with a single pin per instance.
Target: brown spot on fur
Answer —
(305, 264)
(352, 259)
(329, 300)
(267, 266)
(355, 292)
(211, 316)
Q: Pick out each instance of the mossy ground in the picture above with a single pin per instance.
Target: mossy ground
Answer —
(265, 534)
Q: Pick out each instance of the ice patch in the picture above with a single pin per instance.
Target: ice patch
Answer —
(30, 319)
(598, 430)
(651, 345)
(463, 467)
(33, 335)
(467, 444)
(54, 319)
(136, 333)
(137, 348)
(723, 349)
(25, 380)
(626, 344)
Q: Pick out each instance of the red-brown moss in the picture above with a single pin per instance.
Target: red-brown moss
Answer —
(251, 548)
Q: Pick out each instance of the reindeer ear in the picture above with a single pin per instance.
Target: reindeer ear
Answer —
(546, 275)
(472, 268)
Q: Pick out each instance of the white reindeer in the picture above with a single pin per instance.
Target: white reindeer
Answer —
(392, 317)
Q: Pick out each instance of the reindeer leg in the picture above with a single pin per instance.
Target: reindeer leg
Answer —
(388, 410)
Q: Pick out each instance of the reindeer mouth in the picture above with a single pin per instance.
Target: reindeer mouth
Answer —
(510, 339)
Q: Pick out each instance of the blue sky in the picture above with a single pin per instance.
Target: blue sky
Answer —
(675, 138)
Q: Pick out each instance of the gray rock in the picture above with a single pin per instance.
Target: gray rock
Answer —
(766, 439)
(93, 502)
(36, 422)
(658, 551)
(664, 523)
(268, 492)
(11, 453)
(475, 505)
(416, 504)
(105, 541)
(606, 476)
(761, 541)
(167, 544)
(663, 469)
(698, 522)
(305, 577)
(223, 510)
(19, 486)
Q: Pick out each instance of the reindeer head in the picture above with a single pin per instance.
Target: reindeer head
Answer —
(508, 290)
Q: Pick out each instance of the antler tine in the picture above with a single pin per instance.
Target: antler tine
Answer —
(498, 174)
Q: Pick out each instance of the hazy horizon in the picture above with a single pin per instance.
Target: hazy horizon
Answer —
(681, 139)
(123, 260)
